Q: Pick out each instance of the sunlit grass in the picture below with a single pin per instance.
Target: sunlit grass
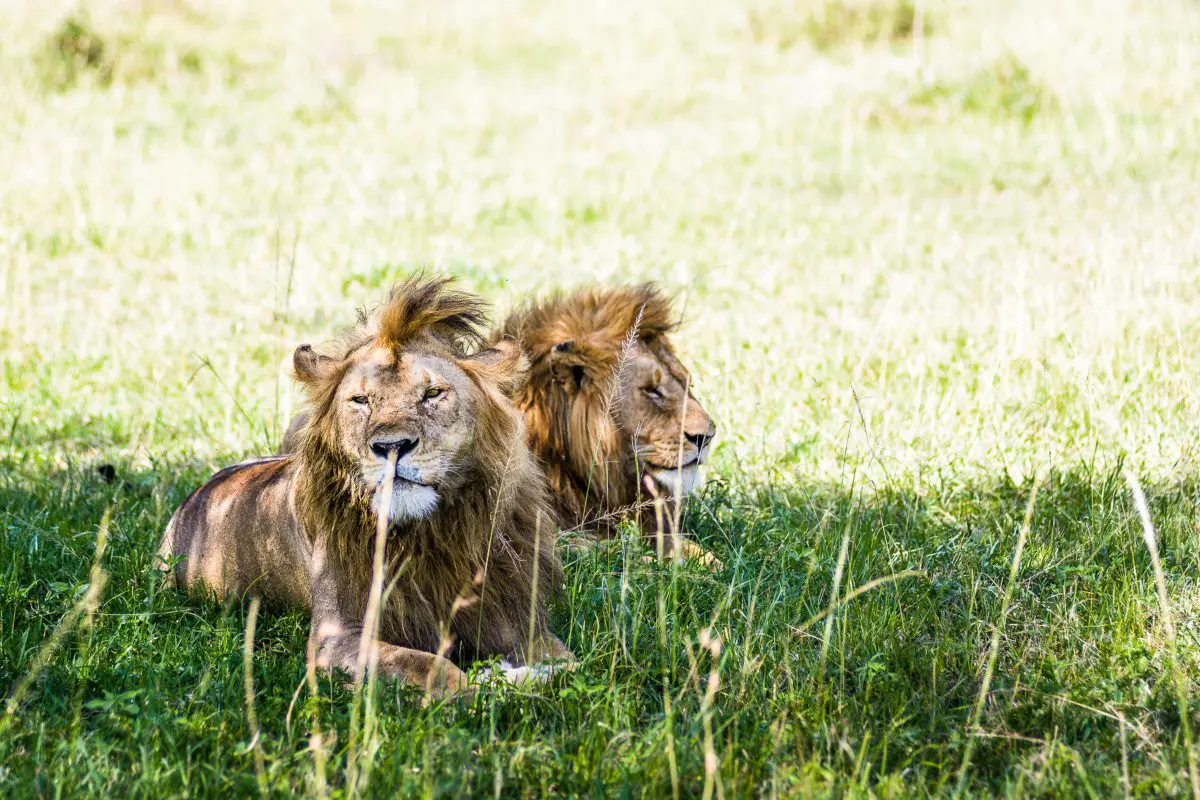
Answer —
(916, 271)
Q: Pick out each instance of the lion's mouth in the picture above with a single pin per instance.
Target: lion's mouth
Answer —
(678, 481)
(404, 476)
(695, 462)
(398, 481)
(409, 498)
(409, 476)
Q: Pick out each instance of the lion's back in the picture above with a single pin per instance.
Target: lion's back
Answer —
(239, 534)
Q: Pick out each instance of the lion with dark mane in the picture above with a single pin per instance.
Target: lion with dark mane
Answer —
(609, 409)
(409, 394)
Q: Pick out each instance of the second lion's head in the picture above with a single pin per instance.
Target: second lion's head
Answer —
(608, 402)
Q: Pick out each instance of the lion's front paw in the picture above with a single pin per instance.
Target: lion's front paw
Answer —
(687, 550)
(693, 551)
(447, 680)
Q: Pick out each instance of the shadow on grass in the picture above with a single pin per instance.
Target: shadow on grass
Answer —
(875, 697)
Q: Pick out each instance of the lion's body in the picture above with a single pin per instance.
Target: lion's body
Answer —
(608, 403)
(469, 551)
(270, 554)
(241, 534)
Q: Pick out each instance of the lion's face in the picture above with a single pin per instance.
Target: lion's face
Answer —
(443, 415)
(670, 433)
(655, 426)
(416, 405)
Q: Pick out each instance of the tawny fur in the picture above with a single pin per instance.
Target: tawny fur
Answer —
(299, 530)
(594, 355)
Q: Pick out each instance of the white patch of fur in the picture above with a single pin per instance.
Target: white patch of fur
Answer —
(679, 482)
(410, 501)
(522, 676)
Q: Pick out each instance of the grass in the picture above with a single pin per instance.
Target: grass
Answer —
(917, 274)
(838, 23)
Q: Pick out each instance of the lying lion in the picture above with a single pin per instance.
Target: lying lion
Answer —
(470, 545)
(609, 410)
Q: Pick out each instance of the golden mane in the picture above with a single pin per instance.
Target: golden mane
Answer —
(418, 308)
(490, 538)
(589, 329)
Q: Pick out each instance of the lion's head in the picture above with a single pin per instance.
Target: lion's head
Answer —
(402, 381)
(412, 381)
(608, 402)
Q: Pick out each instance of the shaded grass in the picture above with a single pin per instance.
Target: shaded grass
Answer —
(157, 690)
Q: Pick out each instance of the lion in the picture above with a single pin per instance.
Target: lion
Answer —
(609, 410)
(470, 556)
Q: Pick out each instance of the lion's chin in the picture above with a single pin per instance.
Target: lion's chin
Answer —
(679, 482)
(409, 502)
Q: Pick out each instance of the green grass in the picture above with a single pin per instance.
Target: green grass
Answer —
(917, 272)
(837, 23)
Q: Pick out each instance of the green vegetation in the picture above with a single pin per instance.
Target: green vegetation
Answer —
(837, 23)
(918, 282)
(75, 49)
(1002, 89)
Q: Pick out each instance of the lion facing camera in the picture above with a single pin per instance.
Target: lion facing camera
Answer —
(469, 555)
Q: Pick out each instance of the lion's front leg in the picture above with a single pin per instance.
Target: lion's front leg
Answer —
(338, 646)
(335, 640)
(660, 524)
(555, 650)
(675, 547)
(545, 649)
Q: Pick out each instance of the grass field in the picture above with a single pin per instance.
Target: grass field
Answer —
(930, 258)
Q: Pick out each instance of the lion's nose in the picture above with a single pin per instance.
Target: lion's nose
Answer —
(381, 447)
(701, 440)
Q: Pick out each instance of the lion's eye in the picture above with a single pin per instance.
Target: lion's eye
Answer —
(359, 399)
(434, 391)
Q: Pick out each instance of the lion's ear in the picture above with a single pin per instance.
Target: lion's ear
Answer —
(567, 366)
(309, 365)
(504, 365)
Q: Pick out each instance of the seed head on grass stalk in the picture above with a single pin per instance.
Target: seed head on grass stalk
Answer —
(661, 606)
(316, 741)
(713, 645)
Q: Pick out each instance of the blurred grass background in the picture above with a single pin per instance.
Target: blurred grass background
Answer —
(924, 250)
